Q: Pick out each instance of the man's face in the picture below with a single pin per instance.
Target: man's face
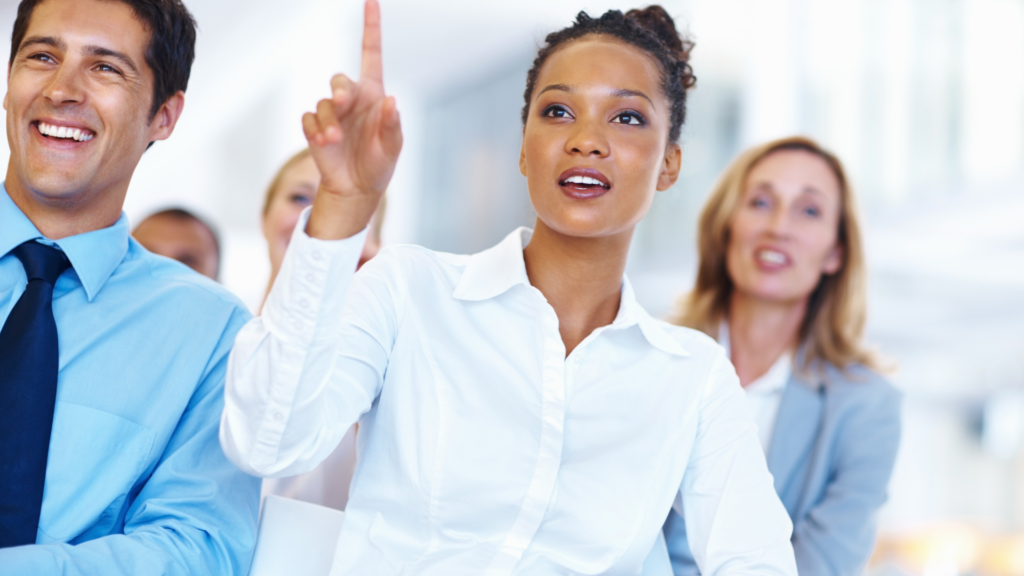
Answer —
(183, 239)
(78, 101)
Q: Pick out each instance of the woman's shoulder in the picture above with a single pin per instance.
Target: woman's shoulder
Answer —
(411, 260)
(695, 342)
(859, 384)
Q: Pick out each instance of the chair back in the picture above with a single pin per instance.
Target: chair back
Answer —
(295, 537)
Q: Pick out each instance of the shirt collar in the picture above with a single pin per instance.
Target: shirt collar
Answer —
(496, 270)
(94, 255)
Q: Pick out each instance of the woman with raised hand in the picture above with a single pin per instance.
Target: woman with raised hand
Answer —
(519, 411)
(782, 286)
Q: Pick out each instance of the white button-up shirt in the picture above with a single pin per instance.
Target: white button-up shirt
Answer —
(764, 395)
(483, 449)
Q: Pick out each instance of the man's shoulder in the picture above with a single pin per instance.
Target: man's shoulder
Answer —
(173, 280)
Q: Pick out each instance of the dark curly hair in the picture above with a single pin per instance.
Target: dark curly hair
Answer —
(651, 30)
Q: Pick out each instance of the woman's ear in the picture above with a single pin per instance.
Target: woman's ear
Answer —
(670, 167)
(834, 260)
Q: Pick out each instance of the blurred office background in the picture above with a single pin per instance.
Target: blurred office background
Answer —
(922, 99)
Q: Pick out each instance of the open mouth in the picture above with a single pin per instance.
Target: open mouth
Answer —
(584, 182)
(771, 257)
(64, 132)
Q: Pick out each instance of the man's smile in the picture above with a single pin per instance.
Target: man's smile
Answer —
(63, 131)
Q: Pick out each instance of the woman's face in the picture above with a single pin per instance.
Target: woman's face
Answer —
(783, 235)
(595, 144)
(296, 191)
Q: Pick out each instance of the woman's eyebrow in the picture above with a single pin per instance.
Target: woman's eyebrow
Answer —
(559, 87)
(625, 93)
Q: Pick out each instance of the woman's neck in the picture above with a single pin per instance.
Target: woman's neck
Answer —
(760, 332)
(580, 277)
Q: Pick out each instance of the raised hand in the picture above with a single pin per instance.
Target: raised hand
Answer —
(355, 138)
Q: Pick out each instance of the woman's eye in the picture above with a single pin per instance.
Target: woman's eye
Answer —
(300, 199)
(629, 118)
(107, 68)
(556, 112)
(759, 203)
(812, 211)
(41, 57)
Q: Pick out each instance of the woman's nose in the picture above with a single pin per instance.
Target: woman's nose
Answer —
(587, 139)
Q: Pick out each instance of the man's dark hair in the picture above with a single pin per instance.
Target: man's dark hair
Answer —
(650, 29)
(187, 216)
(172, 42)
(184, 215)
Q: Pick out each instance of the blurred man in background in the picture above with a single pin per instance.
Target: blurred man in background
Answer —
(181, 235)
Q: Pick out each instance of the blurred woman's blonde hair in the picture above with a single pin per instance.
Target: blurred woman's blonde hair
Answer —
(833, 326)
(378, 216)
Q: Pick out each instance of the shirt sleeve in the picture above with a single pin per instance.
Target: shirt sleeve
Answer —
(837, 535)
(302, 373)
(196, 514)
(734, 519)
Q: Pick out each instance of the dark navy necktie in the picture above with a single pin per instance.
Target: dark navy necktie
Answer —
(28, 393)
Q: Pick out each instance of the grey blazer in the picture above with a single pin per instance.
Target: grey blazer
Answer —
(831, 454)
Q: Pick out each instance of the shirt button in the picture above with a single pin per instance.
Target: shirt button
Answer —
(278, 416)
(304, 303)
(309, 278)
(316, 255)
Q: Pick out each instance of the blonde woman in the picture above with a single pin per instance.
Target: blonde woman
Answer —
(292, 189)
(781, 285)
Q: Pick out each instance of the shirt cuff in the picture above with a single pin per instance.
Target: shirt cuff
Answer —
(312, 284)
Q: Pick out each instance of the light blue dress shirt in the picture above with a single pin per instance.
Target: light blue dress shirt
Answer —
(136, 482)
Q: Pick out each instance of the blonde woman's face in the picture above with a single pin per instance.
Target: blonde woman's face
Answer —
(297, 190)
(783, 235)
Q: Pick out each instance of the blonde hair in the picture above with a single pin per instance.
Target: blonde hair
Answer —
(275, 184)
(833, 326)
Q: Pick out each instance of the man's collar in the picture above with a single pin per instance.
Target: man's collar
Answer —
(94, 255)
(496, 270)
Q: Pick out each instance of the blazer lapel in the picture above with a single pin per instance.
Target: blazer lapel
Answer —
(796, 429)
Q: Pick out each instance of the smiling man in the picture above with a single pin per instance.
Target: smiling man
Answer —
(112, 359)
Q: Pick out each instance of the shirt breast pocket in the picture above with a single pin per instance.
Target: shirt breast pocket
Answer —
(95, 458)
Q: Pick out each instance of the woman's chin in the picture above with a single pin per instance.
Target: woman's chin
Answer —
(584, 225)
(774, 294)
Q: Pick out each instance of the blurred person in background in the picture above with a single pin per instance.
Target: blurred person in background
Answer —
(519, 411)
(180, 235)
(112, 359)
(292, 189)
(782, 286)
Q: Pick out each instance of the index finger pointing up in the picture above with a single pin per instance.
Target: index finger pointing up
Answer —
(372, 67)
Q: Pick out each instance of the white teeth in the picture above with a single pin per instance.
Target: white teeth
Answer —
(64, 132)
(584, 180)
(771, 257)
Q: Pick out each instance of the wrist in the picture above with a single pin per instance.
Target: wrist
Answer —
(338, 217)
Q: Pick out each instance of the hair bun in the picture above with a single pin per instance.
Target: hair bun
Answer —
(657, 20)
